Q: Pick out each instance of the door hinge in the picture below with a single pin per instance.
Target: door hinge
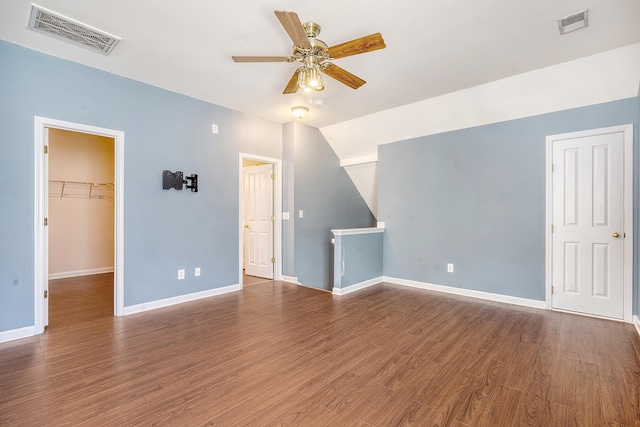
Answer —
(46, 294)
(552, 167)
(273, 218)
(46, 222)
(552, 228)
(273, 176)
(552, 290)
(273, 260)
(46, 149)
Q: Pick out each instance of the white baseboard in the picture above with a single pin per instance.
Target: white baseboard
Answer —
(78, 273)
(357, 286)
(636, 323)
(139, 308)
(16, 334)
(289, 279)
(468, 293)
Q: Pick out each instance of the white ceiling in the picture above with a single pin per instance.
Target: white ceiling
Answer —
(433, 47)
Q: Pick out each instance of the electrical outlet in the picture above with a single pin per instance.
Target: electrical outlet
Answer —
(300, 213)
(181, 274)
(197, 272)
(214, 128)
(449, 268)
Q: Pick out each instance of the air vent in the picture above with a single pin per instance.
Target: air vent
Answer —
(573, 22)
(64, 28)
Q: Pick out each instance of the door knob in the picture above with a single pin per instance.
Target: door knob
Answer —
(616, 235)
(246, 226)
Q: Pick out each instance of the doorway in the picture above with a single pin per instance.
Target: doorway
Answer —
(260, 242)
(81, 223)
(590, 224)
(43, 128)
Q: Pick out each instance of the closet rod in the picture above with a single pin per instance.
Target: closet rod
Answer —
(92, 184)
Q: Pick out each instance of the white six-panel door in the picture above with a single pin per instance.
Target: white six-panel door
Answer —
(588, 224)
(258, 220)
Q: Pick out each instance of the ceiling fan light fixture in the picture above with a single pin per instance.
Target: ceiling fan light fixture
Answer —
(299, 111)
(302, 78)
(310, 79)
(313, 78)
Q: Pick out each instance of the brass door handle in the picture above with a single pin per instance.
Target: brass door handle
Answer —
(246, 226)
(616, 235)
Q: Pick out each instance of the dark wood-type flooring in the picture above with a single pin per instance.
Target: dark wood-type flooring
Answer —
(279, 354)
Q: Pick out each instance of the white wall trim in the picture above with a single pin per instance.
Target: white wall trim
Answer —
(360, 160)
(636, 323)
(41, 126)
(548, 254)
(627, 273)
(16, 334)
(351, 231)
(152, 305)
(78, 273)
(467, 292)
(290, 279)
(277, 212)
(357, 286)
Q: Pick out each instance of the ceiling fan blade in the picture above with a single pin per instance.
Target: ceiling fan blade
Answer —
(343, 76)
(294, 28)
(292, 86)
(260, 58)
(357, 46)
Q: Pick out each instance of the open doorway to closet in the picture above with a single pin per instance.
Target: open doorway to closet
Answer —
(78, 216)
(81, 224)
(260, 245)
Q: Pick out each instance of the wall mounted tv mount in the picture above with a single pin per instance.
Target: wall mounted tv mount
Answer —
(176, 180)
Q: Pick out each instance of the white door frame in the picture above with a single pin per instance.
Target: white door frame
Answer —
(41, 252)
(627, 273)
(277, 209)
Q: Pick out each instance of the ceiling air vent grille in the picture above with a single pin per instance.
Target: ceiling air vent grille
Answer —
(573, 22)
(64, 28)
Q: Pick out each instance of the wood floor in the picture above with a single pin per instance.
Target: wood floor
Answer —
(279, 354)
(252, 280)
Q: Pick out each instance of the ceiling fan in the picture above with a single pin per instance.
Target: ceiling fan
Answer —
(315, 55)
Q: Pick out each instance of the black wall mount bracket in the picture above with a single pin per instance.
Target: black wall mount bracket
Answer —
(175, 180)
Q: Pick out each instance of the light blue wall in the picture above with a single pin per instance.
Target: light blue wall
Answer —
(164, 230)
(329, 199)
(288, 197)
(473, 197)
(476, 198)
(357, 258)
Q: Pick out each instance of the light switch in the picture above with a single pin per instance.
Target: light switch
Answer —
(300, 214)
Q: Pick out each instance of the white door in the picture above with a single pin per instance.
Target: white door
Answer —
(588, 224)
(258, 220)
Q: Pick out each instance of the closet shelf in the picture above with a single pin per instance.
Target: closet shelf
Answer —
(80, 189)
